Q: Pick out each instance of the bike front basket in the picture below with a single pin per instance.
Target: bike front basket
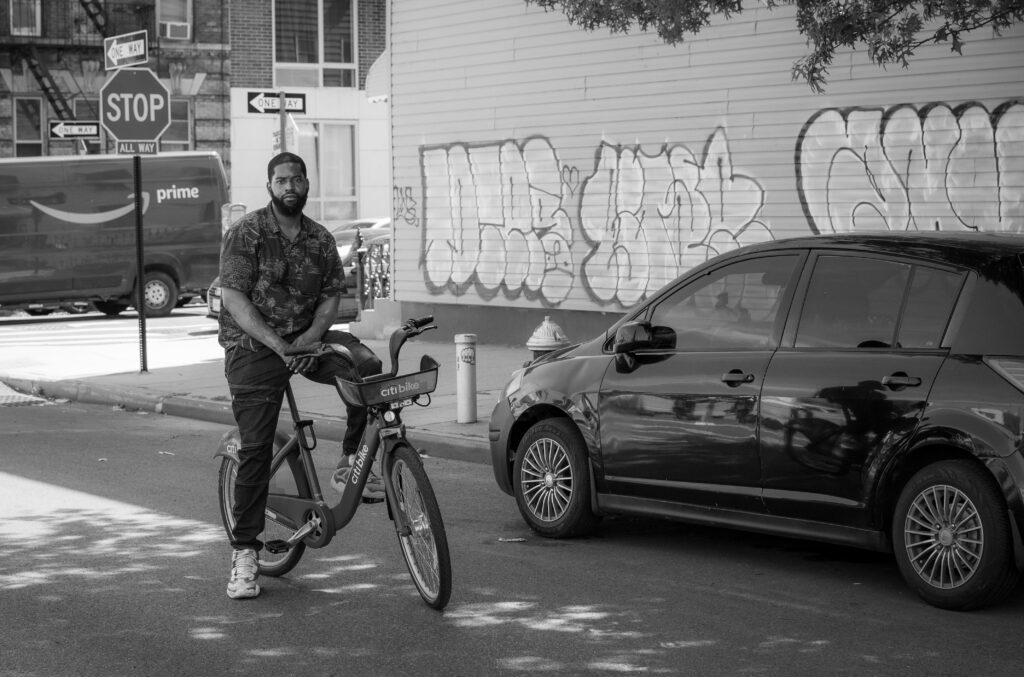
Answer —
(384, 389)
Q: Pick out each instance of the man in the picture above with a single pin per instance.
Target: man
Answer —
(281, 278)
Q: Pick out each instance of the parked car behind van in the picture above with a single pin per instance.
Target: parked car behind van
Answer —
(865, 390)
(67, 230)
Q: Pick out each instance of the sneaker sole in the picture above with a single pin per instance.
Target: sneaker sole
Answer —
(244, 594)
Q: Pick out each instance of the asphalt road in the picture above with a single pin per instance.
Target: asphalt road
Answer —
(113, 562)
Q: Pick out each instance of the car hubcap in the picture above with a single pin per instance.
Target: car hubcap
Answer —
(547, 480)
(944, 537)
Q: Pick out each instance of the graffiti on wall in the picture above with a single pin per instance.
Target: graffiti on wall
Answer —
(509, 219)
(908, 168)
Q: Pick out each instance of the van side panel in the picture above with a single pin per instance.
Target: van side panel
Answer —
(67, 225)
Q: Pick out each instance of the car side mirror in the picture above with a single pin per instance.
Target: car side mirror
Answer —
(632, 336)
(640, 335)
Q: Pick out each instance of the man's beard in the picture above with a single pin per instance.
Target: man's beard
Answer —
(295, 209)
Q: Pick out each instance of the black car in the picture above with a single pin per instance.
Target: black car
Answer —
(860, 389)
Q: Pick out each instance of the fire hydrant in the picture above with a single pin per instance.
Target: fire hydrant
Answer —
(547, 337)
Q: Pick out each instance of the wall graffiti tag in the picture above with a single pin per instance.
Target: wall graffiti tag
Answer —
(908, 168)
(510, 219)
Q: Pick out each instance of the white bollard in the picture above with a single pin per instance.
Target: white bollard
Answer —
(465, 377)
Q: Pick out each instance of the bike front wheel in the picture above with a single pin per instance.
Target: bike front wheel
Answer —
(420, 529)
(288, 479)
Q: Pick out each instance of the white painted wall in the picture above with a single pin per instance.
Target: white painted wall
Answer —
(252, 138)
(540, 166)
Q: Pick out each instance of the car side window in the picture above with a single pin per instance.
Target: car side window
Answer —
(852, 302)
(732, 308)
(930, 302)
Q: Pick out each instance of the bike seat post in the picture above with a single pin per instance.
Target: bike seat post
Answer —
(292, 407)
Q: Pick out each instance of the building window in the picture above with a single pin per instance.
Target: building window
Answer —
(28, 127)
(179, 134)
(330, 155)
(314, 43)
(26, 17)
(174, 19)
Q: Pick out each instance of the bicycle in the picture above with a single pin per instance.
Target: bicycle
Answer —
(297, 514)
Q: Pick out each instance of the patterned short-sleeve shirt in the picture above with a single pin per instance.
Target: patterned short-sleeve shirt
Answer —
(285, 280)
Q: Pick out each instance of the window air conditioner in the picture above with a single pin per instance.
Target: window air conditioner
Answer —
(175, 30)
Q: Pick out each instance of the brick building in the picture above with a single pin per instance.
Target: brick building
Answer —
(212, 56)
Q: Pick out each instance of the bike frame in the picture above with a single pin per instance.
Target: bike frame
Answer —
(315, 521)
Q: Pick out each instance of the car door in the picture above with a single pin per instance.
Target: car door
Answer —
(851, 381)
(680, 423)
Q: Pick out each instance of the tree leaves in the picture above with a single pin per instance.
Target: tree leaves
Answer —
(890, 30)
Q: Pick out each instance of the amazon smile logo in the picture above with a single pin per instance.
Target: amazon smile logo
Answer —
(95, 217)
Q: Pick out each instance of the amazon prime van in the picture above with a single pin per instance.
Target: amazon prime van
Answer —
(67, 230)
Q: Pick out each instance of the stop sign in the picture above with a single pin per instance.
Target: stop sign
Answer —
(135, 105)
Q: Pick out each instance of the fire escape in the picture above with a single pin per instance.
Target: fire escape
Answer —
(96, 13)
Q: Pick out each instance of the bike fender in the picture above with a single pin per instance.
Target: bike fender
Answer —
(231, 442)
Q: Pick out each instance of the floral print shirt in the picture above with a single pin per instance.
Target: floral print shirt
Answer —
(286, 280)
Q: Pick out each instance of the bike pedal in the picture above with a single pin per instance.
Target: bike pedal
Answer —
(277, 547)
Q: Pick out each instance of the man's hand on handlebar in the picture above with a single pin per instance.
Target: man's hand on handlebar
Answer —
(303, 359)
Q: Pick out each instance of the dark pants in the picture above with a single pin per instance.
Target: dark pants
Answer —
(256, 379)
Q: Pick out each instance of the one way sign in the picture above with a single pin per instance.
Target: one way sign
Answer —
(82, 129)
(270, 102)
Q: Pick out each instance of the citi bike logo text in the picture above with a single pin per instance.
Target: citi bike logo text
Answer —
(357, 467)
(399, 388)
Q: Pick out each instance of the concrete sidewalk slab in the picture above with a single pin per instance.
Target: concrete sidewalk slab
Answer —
(197, 389)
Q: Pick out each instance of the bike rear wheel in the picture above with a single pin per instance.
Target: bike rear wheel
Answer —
(424, 543)
(288, 479)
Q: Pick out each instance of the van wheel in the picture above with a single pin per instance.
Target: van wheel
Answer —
(109, 307)
(951, 537)
(160, 294)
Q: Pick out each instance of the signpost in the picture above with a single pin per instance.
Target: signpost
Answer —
(270, 102)
(128, 49)
(78, 129)
(135, 109)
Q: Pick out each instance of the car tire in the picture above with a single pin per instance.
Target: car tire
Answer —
(551, 480)
(160, 294)
(951, 537)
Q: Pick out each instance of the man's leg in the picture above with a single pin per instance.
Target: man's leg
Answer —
(256, 380)
(362, 361)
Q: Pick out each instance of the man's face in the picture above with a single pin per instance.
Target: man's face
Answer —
(288, 189)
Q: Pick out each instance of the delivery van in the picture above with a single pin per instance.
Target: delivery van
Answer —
(68, 225)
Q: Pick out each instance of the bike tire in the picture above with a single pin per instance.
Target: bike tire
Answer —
(271, 564)
(425, 548)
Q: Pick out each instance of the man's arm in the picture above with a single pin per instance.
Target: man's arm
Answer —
(325, 315)
(251, 321)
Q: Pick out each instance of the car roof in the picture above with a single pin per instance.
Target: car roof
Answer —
(968, 248)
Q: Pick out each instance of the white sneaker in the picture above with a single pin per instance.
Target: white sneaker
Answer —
(245, 571)
(373, 492)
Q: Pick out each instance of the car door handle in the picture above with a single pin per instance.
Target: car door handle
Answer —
(736, 377)
(900, 380)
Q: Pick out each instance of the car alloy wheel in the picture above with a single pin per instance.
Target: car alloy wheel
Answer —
(944, 536)
(552, 482)
(951, 536)
(547, 480)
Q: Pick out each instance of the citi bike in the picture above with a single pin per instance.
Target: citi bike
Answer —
(297, 514)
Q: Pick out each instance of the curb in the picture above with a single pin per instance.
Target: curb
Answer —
(433, 444)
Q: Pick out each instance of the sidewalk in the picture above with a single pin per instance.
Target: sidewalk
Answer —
(198, 390)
